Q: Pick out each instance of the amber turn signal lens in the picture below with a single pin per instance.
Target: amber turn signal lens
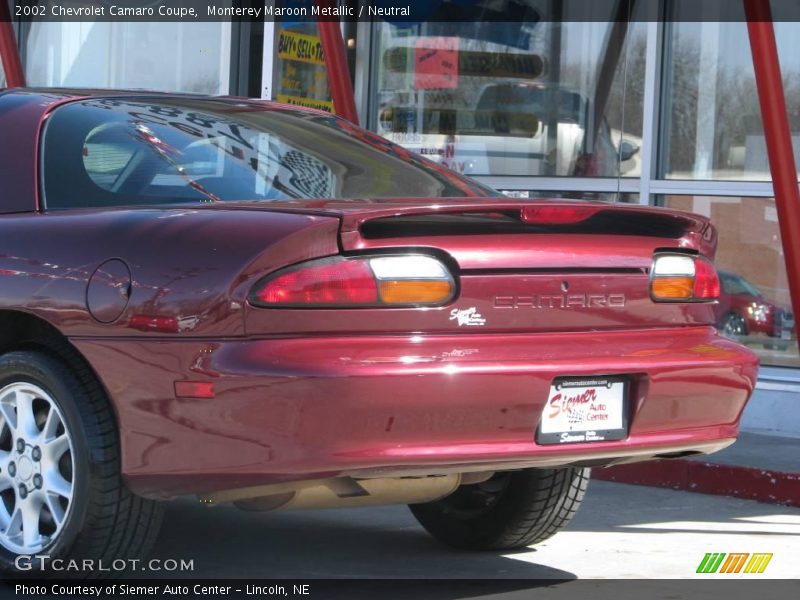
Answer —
(672, 288)
(415, 292)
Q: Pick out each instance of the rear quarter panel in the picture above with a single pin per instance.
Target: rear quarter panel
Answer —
(191, 264)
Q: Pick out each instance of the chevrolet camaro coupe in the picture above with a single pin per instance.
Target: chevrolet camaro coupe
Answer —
(263, 305)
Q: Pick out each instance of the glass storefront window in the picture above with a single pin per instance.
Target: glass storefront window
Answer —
(300, 76)
(183, 57)
(524, 98)
(755, 306)
(711, 120)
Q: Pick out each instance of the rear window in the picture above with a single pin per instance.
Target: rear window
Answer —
(110, 152)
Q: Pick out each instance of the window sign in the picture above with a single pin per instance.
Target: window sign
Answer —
(300, 73)
(436, 63)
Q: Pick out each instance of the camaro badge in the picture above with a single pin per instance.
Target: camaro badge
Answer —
(468, 316)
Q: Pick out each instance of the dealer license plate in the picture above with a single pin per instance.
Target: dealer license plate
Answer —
(584, 410)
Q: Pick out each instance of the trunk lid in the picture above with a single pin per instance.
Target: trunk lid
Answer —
(538, 272)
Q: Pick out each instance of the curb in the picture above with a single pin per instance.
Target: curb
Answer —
(773, 487)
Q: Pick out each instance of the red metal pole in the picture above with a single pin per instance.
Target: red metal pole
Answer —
(336, 62)
(9, 53)
(778, 136)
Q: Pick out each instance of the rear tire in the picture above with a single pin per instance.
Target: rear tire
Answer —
(511, 510)
(85, 510)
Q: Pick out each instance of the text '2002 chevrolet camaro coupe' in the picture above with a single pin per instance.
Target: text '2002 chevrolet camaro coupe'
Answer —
(264, 305)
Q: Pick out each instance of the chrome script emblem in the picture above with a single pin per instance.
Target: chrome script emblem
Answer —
(468, 316)
(562, 301)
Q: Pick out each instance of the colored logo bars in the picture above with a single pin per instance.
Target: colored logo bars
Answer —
(717, 562)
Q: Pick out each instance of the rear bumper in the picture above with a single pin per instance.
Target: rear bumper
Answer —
(316, 407)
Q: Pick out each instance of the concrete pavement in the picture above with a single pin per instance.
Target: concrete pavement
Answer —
(757, 467)
(622, 531)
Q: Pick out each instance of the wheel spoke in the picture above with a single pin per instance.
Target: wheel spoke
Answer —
(30, 522)
(56, 484)
(53, 449)
(26, 421)
(14, 527)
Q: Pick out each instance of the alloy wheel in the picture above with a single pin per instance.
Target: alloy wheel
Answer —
(36, 469)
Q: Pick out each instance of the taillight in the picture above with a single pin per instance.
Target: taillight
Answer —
(683, 278)
(361, 281)
(706, 280)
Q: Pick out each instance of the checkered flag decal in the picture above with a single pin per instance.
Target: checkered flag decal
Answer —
(309, 176)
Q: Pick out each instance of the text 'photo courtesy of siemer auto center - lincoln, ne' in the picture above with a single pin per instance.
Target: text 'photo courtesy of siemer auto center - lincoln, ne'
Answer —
(512, 281)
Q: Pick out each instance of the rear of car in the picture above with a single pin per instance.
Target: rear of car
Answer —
(282, 310)
(537, 334)
(471, 360)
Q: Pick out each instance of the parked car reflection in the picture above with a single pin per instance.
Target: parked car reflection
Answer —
(743, 310)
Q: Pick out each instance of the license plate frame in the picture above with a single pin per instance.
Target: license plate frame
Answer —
(548, 431)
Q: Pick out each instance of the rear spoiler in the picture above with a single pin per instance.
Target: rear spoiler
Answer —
(363, 221)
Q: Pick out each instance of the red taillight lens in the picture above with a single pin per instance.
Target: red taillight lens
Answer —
(331, 283)
(387, 280)
(557, 215)
(706, 280)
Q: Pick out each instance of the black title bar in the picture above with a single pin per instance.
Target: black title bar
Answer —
(403, 13)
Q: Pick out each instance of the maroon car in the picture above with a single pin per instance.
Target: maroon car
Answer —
(264, 305)
(743, 310)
